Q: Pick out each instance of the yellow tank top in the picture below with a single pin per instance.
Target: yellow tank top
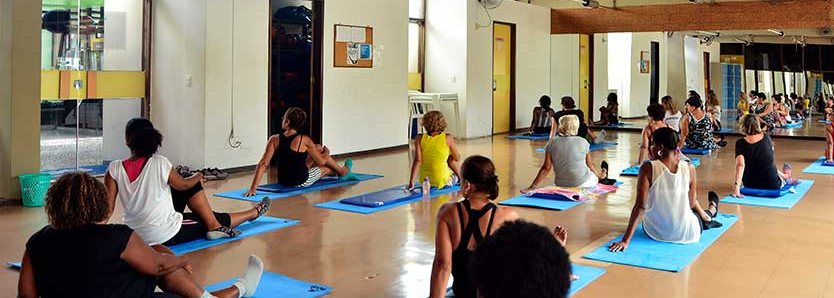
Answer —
(435, 160)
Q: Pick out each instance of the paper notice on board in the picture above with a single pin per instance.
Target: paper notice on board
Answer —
(358, 34)
(366, 52)
(353, 54)
(344, 34)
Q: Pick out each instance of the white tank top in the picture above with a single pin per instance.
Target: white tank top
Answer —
(668, 217)
(147, 203)
(673, 120)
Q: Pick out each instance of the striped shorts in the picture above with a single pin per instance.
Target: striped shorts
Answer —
(313, 175)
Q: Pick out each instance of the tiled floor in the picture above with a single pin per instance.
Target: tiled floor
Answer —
(768, 253)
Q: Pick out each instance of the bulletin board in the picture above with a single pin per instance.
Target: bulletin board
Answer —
(353, 46)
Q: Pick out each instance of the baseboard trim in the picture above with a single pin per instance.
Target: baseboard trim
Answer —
(6, 202)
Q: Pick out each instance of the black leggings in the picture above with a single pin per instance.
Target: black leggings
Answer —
(192, 228)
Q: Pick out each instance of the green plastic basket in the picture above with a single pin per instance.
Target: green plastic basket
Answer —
(33, 187)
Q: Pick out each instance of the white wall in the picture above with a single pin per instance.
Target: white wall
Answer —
(122, 51)
(564, 67)
(445, 53)
(675, 70)
(619, 70)
(459, 57)
(600, 78)
(369, 98)
(178, 109)
(693, 58)
(532, 52)
(244, 54)
(641, 82)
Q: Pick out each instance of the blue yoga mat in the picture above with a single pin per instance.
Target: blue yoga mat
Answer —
(635, 170)
(645, 252)
(260, 226)
(725, 130)
(793, 125)
(785, 202)
(14, 265)
(594, 147)
(338, 205)
(95, 171)
(533, 137)
(824, 121)
(818, 168)
(279, 192)
(695, 151)
(586, 276)
(275, 285)
(550, 204)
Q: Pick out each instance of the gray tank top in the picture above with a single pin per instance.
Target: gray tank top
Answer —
(567, 155)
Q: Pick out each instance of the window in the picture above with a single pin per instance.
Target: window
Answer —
(416, 43)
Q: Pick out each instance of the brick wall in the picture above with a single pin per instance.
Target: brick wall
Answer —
(797, 14)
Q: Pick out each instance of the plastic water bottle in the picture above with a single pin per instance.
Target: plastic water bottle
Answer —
(426, 188)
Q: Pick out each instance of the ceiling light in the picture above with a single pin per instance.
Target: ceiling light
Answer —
(777, 32)
(714, 33)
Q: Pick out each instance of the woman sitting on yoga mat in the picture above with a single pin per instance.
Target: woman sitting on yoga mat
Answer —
(764, 111)
(569, 156)
(755, 167)
(542, 115)
(154, 196)
(672, 116)
(300, 162)
(696, 127)
(656, 114)
(714, 109)
(667, 202)
(569, 108)
(79, 255)
(463, 225)
(436, 155)
(609, 113)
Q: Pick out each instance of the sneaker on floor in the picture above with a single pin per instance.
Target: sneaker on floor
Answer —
(247, 285)
(222, 232)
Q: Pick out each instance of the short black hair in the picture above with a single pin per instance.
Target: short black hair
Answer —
(656, 112)
(521, 259)
(568, 102)
(142, 138)
(544, 101)
(296, 117)
(695, 101)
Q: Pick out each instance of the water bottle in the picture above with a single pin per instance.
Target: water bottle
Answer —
(426, 188)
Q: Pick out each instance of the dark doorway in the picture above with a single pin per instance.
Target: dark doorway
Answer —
(707, 83)
(654, 96)
(296, 36)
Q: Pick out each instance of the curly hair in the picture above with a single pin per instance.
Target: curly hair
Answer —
(76, 199)
(521, 259)
(434, 121)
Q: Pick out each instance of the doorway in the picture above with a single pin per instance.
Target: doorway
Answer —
(295, 80)
(503, 78)
(707, 86)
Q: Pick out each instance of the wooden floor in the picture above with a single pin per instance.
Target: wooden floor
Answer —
(768, 253)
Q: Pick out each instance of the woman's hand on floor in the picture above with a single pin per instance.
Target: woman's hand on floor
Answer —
(251, 192)
(737, 192)
(527, 190)
(618, 246)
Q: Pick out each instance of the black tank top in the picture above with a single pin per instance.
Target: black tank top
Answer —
(291, 164)
(462, 286)
(88, 263)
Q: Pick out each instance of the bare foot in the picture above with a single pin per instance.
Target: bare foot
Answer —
(561, 235)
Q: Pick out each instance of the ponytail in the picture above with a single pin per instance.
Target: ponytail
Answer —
(480, 172)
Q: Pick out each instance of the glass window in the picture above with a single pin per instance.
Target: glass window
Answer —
(414, 48)
(416, 43)
(750, 80)
(766, 82)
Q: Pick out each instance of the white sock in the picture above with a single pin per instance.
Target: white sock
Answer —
(206, 294)
(248, 283)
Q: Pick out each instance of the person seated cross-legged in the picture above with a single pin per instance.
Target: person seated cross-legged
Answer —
(666, 197)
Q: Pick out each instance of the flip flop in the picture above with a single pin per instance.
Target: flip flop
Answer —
(713, 200)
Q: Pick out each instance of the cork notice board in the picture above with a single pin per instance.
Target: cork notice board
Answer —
(353, 46)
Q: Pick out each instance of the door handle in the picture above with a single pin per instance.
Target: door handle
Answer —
(587, 84)
(494, 85)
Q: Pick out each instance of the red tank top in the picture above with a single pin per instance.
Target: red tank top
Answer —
(134, 167)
